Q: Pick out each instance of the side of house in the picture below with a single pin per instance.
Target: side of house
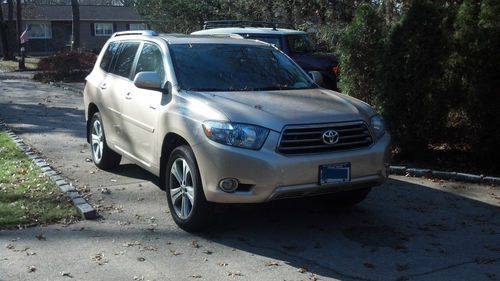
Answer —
(50, 26)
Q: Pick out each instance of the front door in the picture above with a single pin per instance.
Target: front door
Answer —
(141, 107)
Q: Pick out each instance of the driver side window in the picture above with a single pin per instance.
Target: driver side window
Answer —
(151, 59)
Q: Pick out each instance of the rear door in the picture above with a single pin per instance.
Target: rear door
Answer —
(141, 107)
(119, 85)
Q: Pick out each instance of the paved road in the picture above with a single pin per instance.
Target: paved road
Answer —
(407, 229)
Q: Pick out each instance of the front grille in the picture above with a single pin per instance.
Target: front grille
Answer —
(309, 139)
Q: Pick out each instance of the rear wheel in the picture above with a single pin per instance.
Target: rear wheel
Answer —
(102, 155)
(186, 200)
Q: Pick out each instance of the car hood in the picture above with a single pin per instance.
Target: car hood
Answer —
(275, 109)
(315, 61)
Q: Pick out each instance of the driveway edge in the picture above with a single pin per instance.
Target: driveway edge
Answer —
(84, 208)
(442, 175)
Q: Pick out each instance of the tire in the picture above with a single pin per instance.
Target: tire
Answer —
(188, 206)
(104, 158)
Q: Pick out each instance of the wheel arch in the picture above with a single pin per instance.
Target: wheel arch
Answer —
(170, 142)
(92, 109)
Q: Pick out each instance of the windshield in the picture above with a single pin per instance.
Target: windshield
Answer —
(300, 43)
(224, 67)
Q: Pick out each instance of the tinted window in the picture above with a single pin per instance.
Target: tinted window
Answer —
(217, 67)
(123, 63)
(108, 56)
(150, 59)
(300, 43)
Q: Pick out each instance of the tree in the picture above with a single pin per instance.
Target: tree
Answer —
(75, 8)
(19, 23)
(4, 32)
(361, 56)
(411, 77)
(478, 60)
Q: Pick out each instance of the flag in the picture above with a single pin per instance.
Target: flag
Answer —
(25, 36)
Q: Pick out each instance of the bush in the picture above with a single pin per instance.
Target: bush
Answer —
(414, 101)
(477, 63)
(361, 51)
(66, 66)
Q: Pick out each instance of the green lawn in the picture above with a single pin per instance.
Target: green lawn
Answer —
(27, 196)
(30, 62)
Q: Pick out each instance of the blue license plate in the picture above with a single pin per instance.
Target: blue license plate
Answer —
(335, 173)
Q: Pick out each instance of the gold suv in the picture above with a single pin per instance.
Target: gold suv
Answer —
(228, 120)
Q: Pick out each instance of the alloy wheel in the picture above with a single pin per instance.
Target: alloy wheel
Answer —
(181, 188)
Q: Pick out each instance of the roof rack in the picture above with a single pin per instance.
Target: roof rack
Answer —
(245, 23)
(135, 32)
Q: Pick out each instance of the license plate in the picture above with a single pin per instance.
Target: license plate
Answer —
(335, 173)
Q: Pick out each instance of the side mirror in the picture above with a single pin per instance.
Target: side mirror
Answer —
(316, 76)
(148, 80)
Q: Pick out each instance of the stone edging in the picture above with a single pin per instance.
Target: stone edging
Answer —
(83, 207)
(442, 175)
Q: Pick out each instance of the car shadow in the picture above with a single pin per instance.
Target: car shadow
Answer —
(400, 232)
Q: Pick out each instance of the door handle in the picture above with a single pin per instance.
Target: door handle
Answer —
(128, 96)
(104, 86)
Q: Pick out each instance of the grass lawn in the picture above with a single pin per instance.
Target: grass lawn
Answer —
(27, 196)
(30, 62)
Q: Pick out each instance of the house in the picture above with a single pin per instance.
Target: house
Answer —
(51, 25)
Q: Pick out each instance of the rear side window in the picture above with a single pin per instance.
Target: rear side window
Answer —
(125, 60)
(150, 60)
(108, 56)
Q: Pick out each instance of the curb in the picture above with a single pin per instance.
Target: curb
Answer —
(83, 207)
(442, 175)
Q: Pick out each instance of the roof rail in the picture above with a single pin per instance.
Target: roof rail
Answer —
(230, 35)
(245, 23)
(135, 32)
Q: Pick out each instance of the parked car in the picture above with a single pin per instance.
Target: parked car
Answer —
(225, 120)
(296, 44)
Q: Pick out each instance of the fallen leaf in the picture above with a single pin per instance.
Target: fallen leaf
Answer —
(10, 246)
(369, 265)
(195, 244)
(313, 277)
(41, 237)
(196, 276)
(174, 252)
(234, 274)
(67, 274)
(222, 264)
(302, 270)
(31, 268)
(208, 252)
(272, 263)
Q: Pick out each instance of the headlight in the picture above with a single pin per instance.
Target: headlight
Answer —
(235, 134)
(378, 126)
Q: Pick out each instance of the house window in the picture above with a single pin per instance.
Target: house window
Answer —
(138, 26)
(103, 29)
(39, 30)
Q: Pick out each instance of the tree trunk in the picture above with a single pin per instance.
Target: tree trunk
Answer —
(4, 36)
(19, 22)
(75, 43)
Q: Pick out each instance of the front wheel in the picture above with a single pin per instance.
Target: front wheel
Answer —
(186, 200)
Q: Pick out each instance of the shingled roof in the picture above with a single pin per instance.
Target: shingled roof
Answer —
(87, 13)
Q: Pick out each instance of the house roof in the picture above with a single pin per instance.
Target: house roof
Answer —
(87, 13)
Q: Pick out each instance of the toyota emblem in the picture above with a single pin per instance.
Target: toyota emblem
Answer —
(330, 137)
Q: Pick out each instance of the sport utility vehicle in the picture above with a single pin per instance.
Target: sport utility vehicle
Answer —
(294, 43)
(224, 120)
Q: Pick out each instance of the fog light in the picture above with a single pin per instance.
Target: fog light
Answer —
(228, 185)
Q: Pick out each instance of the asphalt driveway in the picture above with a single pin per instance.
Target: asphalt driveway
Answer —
(407, 229)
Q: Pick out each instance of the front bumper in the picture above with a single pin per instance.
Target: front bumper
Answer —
(270, 175)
